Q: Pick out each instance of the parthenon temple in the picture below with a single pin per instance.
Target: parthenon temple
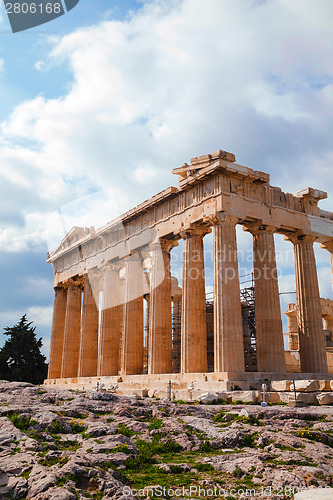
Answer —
(121, 318)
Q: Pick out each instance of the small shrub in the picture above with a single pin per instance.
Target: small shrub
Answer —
(155, 424)
(120, 448)
(125, 431)
(238, 472)
(249, 440)
(20, 421)
(206, 447)
(49, 461)
(204, 467)
(77, 427)
(56, 428)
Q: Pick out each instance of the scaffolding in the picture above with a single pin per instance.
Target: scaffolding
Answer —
(176, 328)
(248, 322)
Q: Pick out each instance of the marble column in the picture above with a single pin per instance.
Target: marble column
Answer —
(132, 346)
(328, 245)
(57, 334)
(71, 347)
(89, 328)
(292, 327)
(269, 334)
(310, 326)
(111, 320)
(228, 329)
(193, 325)
(160, 324)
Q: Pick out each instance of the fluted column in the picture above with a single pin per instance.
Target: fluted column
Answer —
(71, 348)
(311, 338)
(228, 330)
(57, 334)
(193, 325)
(269, 334)
(111, 319)
(132, 346)
(160, 324)
(89, 329)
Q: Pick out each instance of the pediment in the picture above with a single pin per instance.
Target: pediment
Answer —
(72, 237)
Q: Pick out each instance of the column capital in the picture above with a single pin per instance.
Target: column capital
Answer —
(164, 244)
(132, 257)
(299, 237)
(195, 230)
(223, 218)
(259, 227)
(112, 265)
(60, 287)
(77, 281)
(328, 245)
(93, 274)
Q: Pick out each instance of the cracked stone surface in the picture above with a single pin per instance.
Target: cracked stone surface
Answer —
(63, 444)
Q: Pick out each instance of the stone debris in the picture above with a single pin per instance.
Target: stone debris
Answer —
(58, 444)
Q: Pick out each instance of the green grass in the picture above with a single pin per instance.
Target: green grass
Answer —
(155, 424)
(21, 422)
(125, 431)
(49, 461)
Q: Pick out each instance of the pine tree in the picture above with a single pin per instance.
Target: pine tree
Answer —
(20, 358)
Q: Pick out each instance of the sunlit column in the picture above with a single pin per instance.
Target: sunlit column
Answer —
(269, 333)
(57, 334)
(193, 324)
(132, 345)
(111, 320)
(89, 328)
(228, 330)
(160, 321)
(71, 347)
(311, 338)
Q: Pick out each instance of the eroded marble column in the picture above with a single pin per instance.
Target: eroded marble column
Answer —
(72, 334)
(292, 327)
(269, 333)
(311, 338)
(111, 320)
(228, 330)
(57, 334)
(328, 245)
(193, 325)
(328, 322)
(89, 329)
(132, 345)
(160, 321)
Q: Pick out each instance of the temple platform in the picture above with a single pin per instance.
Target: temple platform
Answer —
(235, 386)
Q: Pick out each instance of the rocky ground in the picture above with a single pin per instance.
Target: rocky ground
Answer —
(62, 444)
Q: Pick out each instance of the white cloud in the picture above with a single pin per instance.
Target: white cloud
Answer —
(2, 63)
(175, 80)
(40, 315)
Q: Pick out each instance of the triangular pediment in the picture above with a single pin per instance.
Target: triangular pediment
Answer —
(72, 237)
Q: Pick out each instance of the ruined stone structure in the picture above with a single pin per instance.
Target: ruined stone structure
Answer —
(292, 354)
(126, 264)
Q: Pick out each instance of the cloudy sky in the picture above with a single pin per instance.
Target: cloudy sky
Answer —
(99, 105)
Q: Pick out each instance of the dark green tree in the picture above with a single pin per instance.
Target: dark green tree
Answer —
(20, 358)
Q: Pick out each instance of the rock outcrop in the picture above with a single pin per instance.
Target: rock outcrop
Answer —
(58, 444)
